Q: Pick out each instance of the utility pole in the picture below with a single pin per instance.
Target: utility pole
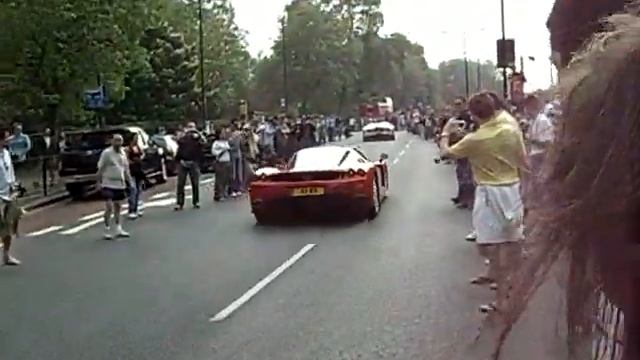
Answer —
(466, 76)
(522, 64)
(479, 73)
(285, 70)
(466, 66)
(505, 85)
(203, 96)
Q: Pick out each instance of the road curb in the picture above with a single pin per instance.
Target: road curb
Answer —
(46, 201)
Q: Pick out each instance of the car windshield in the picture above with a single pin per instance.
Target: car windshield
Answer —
(95, 140)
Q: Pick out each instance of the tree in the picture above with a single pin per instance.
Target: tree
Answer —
(452, 78)
(65, 45)
(163, 88)
(360, 16)
(227, 62)
(337, 59)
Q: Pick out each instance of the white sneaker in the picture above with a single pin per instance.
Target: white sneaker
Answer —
(473, 236)
(132, 216)
(107, 233)
(121, 233)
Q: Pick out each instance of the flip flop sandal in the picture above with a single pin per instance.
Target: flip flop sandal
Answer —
(487, 308)
(481, 280)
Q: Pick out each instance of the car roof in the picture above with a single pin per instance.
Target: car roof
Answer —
(106, 130)
(378, 125)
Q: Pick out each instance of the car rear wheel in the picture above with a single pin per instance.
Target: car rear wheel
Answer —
(375, 206)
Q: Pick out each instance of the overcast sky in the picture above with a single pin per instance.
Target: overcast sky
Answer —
(439, 26)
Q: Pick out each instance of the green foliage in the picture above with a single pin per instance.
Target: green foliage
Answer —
(336, 59)
(451, 78)
(147, 54)
(57, 49)
(161, 89)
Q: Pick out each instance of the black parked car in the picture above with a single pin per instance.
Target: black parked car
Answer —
(79, 159)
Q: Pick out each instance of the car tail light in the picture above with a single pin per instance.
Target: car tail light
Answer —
(351, 173)
(361, 172)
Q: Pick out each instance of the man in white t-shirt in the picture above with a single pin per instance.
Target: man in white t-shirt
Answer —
(541, 132)
(113, 179)
(10, 213)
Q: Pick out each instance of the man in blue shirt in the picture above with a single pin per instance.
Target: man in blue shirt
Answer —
(19, 144)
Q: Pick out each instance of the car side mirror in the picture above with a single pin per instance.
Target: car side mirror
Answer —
(384, 156)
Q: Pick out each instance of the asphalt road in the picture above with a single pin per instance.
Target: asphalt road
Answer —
(393, 288)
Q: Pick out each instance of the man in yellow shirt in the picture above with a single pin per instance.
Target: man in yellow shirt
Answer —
(497, 155)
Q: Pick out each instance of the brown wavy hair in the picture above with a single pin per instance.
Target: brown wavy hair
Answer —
(588, 194)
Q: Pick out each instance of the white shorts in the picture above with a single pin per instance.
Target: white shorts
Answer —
(498, 214)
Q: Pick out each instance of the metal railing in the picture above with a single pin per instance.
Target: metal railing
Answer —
(38, 175)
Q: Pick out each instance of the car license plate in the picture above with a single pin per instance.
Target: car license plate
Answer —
(308, 191)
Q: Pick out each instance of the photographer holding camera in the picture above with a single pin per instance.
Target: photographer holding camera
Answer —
(497, 156)
(464, 177)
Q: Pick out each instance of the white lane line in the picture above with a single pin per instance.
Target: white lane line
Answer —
(396, 161)
(45, 231)
(261, 285)
(86, 225)
(202, 182)
(161, 203)
(402, 153)
(91, 216)
(96, 221)
(160, 195)
(77, 229)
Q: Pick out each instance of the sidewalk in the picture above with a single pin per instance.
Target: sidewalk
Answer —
(541, 331)
(35, 198)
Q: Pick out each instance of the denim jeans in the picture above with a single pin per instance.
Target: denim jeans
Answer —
(191, 170)
(237, 174)
(134, 195)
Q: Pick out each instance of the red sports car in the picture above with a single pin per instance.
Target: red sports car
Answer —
(322, 182)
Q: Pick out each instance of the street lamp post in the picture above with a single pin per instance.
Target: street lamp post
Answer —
(466, 66)
(285, 70)
(203, 96)
(479, 74)
(505, 86)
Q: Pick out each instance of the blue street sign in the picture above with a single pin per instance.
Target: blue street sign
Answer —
(95, 99)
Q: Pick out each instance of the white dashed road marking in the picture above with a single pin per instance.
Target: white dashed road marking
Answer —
(84, 226)
(91, 216)
(160, 195)
(261, 285)
(45, 231)
(396, 161)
